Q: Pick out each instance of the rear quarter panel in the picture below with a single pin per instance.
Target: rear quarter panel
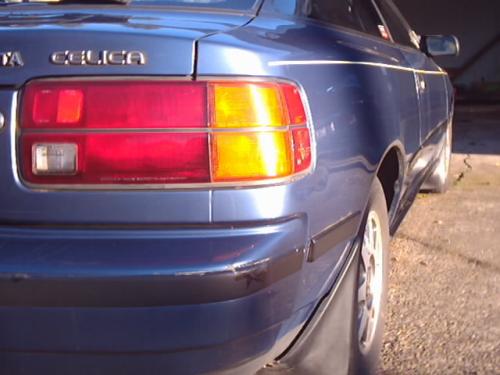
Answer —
(357, 113)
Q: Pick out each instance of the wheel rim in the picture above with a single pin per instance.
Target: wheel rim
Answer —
(370, 282)
(444, 163)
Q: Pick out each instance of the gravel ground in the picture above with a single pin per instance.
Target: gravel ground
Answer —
(444, 296)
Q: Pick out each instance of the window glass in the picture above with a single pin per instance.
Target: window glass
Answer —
(288, 8)
(360, 15)
(368, 17)
(355, 14)
(398, 26)
(337, 12)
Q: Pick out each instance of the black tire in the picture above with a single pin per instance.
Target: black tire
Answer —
(439, 181)
(365, 357)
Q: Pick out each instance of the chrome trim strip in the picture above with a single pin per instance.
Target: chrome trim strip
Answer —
(164, 186)
(253, 129)
(183, 79)
(361, 63)
(13, 129)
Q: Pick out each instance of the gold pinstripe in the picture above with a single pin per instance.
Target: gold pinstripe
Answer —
(362, 63)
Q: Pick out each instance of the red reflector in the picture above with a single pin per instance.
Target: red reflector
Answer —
(296, 110)
(301, 149)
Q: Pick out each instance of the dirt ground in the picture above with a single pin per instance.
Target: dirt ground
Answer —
(444, 296)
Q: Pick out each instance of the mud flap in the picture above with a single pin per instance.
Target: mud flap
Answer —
(324, 346)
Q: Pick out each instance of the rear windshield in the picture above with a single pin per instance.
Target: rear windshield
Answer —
(218, 4)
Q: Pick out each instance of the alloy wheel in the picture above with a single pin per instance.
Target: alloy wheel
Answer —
(444, 162)
(370, 282)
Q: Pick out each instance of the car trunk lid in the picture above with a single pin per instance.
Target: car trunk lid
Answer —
(102, 41)
(50, 42)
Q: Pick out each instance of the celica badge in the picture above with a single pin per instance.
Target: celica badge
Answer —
(11, 59)
(92, 58)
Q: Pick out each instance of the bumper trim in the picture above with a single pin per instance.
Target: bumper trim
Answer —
(146, 268)
(148, 291)
(327, 239)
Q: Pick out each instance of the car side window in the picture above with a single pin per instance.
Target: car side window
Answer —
(398, 27)
(369, 19)
(336, 12)
(354, 14)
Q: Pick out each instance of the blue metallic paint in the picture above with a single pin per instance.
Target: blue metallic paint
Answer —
(359, 112)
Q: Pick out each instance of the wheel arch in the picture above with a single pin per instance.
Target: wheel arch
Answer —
(390, 171)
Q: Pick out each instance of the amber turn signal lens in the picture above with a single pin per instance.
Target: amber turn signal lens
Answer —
(251, 156)
(241, 105)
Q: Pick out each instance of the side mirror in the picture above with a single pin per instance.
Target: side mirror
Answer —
(440, 45)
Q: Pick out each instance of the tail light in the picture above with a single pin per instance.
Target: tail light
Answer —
(158, 132)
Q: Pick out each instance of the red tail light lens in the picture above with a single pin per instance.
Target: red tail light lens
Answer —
(157, 132)
(114, 105)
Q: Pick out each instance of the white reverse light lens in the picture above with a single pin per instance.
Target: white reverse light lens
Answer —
(54, 158)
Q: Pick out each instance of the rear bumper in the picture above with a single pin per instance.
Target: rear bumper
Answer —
(189, 300)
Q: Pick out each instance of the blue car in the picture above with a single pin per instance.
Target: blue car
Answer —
(208, 186)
